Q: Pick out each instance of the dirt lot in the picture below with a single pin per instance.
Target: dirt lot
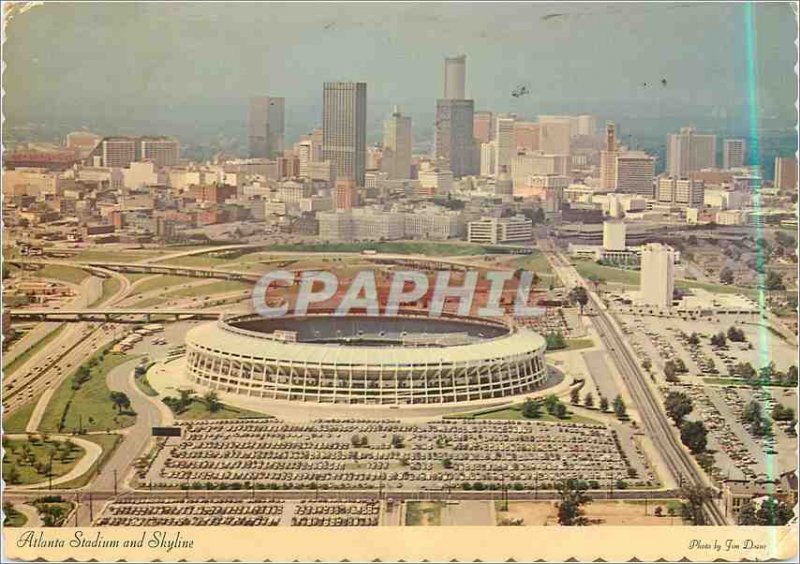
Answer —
(541, 513)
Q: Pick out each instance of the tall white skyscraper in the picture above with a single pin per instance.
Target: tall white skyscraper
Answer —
(454, 145)
(504, 142)
(266, 127)
(689, 151)
(455, 73)
(657, 280)
(488, 154)
(733, 153)
(396, 159)
(344, 128)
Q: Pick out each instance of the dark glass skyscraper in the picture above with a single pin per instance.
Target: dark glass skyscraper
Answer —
(344, 128)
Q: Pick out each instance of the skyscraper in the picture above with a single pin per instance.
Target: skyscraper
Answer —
(635, 172)
(454, 143)
(455, 71)
(482, 123)
(344, 128)
(608, 159)
(266, 127)
(657, 275)
(732, 153)
(688, 151)
(785, 173)
(504, 140)
(397, 146)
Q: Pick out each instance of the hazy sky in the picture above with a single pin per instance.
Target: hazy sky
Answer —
(185, 65)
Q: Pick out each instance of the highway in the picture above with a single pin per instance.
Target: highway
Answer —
(653, 419)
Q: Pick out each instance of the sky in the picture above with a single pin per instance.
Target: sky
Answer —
(188, 69)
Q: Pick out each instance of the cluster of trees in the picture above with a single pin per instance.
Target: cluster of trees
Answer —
(774, 281)
(674, 367)
(397, 441)
(61, 450)
(719, 340)
(760, 425)
(766, 375)
(572, 499)
(578, 295)
(771, 513)
(532, 409)
(121, 401)
(736, 335)
(555, 341)
(187, 396)
(693, 433)
(53, 510)
(359, 440)
(620, 410)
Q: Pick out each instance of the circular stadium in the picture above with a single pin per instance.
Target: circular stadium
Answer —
(405, 359)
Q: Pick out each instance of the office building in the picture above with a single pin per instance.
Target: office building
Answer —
(504, 185)
(635, 173)
(396, 159)
(608, 159)
(483, 126)
(488, 154)
(689, 151)
(266, 127)
(657, 276)
(344, 128)
(786, 173)
(535, 164)
(526, 136)
(454, 144)
(504, 143)
(614, 235)
(554, 134)
(587, 125)
(161, 151)
(493, 230)
(680, 191)
(733, 153)
(345, 194)
(434, 182)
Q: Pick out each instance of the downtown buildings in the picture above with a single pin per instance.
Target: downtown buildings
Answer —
(454, 145)
(266, 127)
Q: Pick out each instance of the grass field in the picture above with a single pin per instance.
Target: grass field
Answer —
(13, 518)
(134, 276)
(609, 274)
(198, 261)
(31, 351)
(514, 413)
(61, 272)
(577, 344)
(89, 407)
(424, 513)
(39, 453)
(161, 283)
(108, 443)
(217, 287)
(17, 421)
(399, 247)
(122, 255)
(198, 410)
(144, 385)
(110, 287)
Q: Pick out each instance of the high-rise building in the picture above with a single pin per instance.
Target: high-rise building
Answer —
(657, 276)
(504, 185)
(345, 194)
(680, 191)
(526, 135)
(555, 133)
(488, 154)
(785, 173)
(733, 153)
(266, 127)
(689, 151)
(118, 152)
(162, 151)
(504, 140)
(483, 126)
(587, 124)
(454, 143)
(635, 172)
(455, 71)
(344, 128)
(608, 159)
(396, 159)
(614, 235)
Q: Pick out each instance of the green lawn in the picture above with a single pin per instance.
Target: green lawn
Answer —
(108, 443)
(31, 351)
(715, 288)
(39, 453)
(17, 421)
(218, 287)
(399, 247)
(53, 513)
(61, 272)
(110, 287)
(199, 261)
(89, 406)
(134, 276)
(577, 344)
(144, 385)
(587, 268)
(514, 413)
(161, 283)
(13, 518)
(123, 255)
(198, 410)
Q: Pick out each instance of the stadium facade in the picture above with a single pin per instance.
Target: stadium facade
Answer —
(369, 360)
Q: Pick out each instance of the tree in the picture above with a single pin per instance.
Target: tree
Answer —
(531, 409)
(588, 399)
(11, 474)
(120, 400)
(677, 405)
(579, 295)
(647, 364)
(736, 335)
(751, 412)
(658, 511)
(397, 441)
(555, 341)
(186, 396)
(693, 339)
(211, 399)
(718, 340)
(694, 436)
(781, 413)
(695, 497)
(670, 372)
(572, 495)
(603, 404)
(774, 281)
(575, 396)
(747, 514)
(773, 513)
(745, 371)
(619, 408)
(550, 403)
(726, 275)
(561, 411)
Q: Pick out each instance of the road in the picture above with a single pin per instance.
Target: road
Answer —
(653, 419)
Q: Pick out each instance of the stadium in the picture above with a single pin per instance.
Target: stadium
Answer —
(407, 359)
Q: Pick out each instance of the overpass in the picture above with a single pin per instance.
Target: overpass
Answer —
(104, 315)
